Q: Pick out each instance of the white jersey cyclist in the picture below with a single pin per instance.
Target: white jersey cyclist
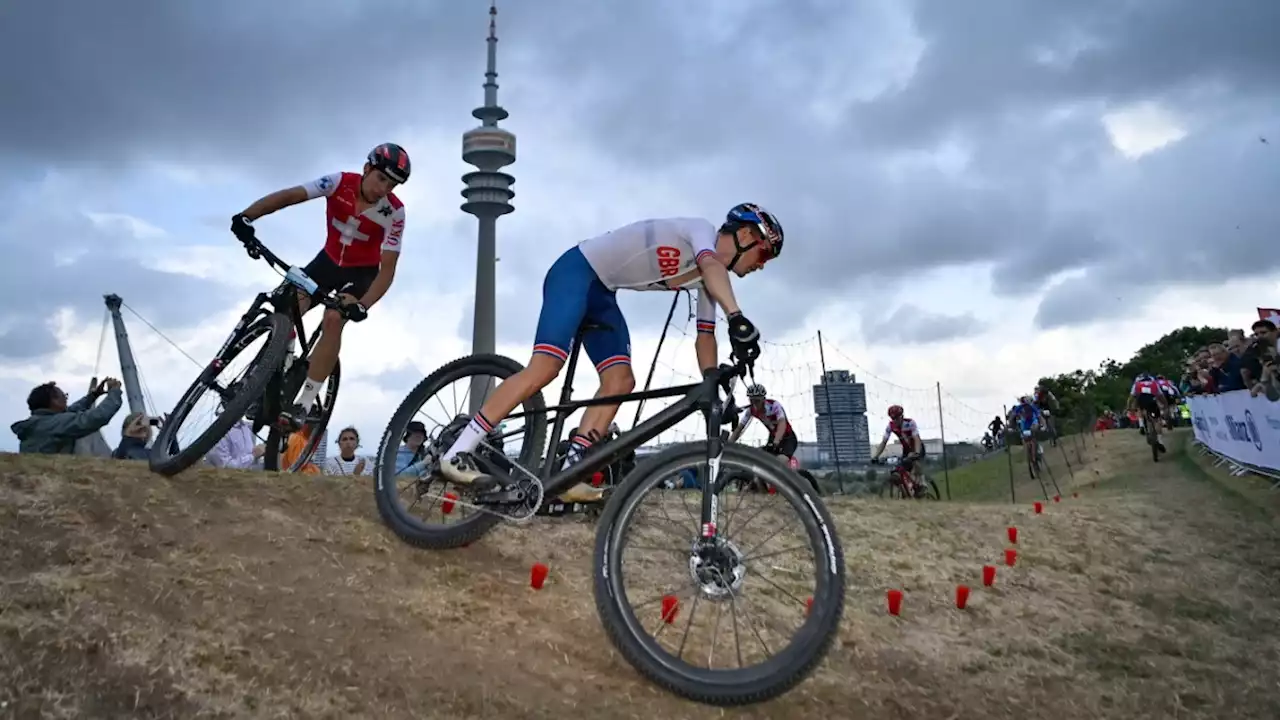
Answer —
(659, 254)
(579, 301)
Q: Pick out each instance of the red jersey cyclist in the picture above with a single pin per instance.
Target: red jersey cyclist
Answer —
(909, 436)
(782, 438)
(365, 223)
(662, 254)
(1146, 396)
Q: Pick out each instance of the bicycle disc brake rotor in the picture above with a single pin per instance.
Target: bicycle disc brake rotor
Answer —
(718, 569)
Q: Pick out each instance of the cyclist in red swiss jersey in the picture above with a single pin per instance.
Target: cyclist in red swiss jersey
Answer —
(909, 436)
(782, 438)
(365, 222)
(1146, 396)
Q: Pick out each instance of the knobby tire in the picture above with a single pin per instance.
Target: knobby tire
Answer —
(268, 361)
(386, 488)
(719, 687)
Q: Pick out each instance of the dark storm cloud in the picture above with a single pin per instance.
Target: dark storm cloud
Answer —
(890, 138)
(69, 262)
(135, 80)
(991, 58)
(910, 325)
(1019, 87)
(27, 338)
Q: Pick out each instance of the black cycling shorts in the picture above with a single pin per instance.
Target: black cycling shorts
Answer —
(909, 465)
(1149, 404)
(328, 275)
(788, 445)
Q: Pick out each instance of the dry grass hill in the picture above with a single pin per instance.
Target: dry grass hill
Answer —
(245, 595)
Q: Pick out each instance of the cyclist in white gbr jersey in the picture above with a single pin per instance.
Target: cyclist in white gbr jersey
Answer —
(664, 254)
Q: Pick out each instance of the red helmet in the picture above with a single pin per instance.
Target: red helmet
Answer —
(895, 411)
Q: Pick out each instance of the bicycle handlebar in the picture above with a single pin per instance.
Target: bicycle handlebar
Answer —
(258, 251)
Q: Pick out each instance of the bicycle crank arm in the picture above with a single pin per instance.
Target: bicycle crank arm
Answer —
(517, 518)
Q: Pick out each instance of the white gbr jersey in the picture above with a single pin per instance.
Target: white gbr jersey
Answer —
(656, 255)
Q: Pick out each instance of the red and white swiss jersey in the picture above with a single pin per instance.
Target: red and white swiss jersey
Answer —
(357, 240)
(906, 431)
(771, 414)
(1145, 387)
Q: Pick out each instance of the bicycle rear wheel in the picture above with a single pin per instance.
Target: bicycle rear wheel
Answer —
(277, 439)
(168, 456)
(424, 399)
(720, 577)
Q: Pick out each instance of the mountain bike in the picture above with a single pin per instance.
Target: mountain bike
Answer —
(714, 565)
(1153, 436)
(1033, 452)
(901, 483)
(266, 386)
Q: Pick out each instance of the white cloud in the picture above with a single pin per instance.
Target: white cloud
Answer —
(1142, 128)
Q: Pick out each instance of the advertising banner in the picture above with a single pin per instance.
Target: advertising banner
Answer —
(1244, 428)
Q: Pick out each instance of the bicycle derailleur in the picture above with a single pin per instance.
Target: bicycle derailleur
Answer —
(517, 500)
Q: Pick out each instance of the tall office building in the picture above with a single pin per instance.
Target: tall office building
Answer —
(842, 424)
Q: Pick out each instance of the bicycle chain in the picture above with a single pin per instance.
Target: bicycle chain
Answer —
(487, 509)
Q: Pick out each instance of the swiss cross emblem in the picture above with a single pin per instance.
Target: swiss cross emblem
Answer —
(349, 230)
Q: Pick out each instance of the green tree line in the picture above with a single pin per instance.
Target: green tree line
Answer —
(1083, 394)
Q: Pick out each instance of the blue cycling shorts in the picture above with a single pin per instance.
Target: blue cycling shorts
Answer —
(571, 294)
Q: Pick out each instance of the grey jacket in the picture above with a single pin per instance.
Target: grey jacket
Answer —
(56, 433)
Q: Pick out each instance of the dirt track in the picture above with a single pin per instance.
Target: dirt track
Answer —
(237, 595)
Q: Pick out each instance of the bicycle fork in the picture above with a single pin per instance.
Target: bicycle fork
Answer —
(715, 450)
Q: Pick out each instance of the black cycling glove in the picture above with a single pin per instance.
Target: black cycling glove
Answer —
(744, 338)
(355, 312)
(242, 229)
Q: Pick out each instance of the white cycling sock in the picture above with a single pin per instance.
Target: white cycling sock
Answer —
(310, 389)
(470, 437)
(578, 445)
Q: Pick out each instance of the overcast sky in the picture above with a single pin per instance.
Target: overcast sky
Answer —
(975, 194)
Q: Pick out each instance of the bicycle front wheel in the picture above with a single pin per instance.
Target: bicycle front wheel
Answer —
(170, 455)
(727, 577)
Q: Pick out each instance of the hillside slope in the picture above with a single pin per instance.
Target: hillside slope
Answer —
(236, 594)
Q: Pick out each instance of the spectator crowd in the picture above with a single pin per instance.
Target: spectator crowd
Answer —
(56, 426)
(1238, 362)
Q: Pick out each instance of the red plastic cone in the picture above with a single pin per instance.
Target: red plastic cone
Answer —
(1013, 535)
(1039, 507)
(538, 576)
(962, 596)
(1010, 557)
(670, 606)
(988, 575)
(446, 505)
(895, 602)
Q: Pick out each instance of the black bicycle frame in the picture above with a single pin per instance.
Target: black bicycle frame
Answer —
(704, 396)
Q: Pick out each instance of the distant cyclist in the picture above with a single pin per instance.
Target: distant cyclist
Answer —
(1027, 416)
(1047, 404)
(912, 445)
(996, 427)
(365, 224)
(1146, 396)
(664, 254)
(782, 438)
